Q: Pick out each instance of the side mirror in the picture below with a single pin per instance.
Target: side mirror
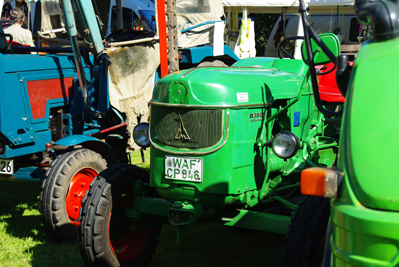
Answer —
(320, 58)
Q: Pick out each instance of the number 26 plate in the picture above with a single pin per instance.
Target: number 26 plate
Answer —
(186, 169)
(6, 166)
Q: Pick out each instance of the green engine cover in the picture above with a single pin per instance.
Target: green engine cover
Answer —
(248, 82)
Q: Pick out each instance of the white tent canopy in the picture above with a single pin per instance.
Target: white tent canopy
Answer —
(291, 6)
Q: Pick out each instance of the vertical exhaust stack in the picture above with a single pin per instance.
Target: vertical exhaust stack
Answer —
(383, 16)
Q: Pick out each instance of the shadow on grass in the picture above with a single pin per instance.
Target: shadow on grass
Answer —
(213, 244)
(19, 202)
(19, 213)
(210, 244)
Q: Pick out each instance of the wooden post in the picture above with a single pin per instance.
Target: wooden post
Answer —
(119, 15)
(173, 52)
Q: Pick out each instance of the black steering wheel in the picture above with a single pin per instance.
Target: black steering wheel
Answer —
(287, 46)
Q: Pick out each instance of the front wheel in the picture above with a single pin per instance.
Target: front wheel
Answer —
(64, 187)
(105, 236)
(305, 238)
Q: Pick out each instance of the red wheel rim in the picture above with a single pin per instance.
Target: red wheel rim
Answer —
(129, 245)
(76, 192)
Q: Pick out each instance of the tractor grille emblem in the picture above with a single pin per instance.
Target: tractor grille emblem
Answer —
(182, 132)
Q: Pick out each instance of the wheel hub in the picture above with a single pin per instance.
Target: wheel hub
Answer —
(78, 186)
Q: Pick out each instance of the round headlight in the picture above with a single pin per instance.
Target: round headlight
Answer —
(285, 144)
(140, 134)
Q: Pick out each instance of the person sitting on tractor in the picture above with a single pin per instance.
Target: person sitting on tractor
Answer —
(18, 33)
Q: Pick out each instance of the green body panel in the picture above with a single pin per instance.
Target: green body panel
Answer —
(320, 58)
(362, 236)
(288, 65)
(369, 139)
(365, 219)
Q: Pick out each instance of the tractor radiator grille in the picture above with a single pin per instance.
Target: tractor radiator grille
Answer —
(186, 128)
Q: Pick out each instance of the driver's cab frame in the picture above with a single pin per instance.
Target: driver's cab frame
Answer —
(321, 23)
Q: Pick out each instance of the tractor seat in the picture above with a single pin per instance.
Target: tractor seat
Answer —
(13, 44)
(328, 87)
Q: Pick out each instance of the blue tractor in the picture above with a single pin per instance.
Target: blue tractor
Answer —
(58, 124)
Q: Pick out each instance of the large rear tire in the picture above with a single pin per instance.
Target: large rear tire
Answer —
(305, 238)
(105, 239)
(64, 187)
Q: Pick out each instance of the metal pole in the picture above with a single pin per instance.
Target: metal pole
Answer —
(162, 37)
(71, 28)
(119, 14)
(298, 43)
(89, 21)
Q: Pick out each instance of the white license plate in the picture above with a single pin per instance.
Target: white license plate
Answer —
(186, 169)
(6, 166)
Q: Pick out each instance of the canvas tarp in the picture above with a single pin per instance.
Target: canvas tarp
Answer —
(131, 82)
(193, 12)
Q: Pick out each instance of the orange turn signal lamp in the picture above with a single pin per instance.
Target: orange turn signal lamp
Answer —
(322, 182)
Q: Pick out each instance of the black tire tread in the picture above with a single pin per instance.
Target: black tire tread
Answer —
(308, 227)
(55, 184)
(93, 242)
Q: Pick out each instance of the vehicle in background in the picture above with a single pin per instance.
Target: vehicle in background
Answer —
(68, 112)
(345, 26)
(337, 10)
(136, 14)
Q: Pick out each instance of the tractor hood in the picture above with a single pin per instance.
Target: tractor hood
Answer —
(369, 154)
(242, 84)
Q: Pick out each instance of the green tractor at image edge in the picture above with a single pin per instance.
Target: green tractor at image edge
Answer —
(227, 144)
(363, 186)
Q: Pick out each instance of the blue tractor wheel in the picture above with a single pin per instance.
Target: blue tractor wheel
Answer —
(64, 188)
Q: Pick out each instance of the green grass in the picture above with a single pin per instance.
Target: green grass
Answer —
(24, 241)
(23, 238)
(136, 159)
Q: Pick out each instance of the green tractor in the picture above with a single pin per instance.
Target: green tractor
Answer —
(364, 219)
(227, 144)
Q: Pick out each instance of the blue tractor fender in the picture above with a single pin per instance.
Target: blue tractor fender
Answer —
(102, 148)
(195, 55)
